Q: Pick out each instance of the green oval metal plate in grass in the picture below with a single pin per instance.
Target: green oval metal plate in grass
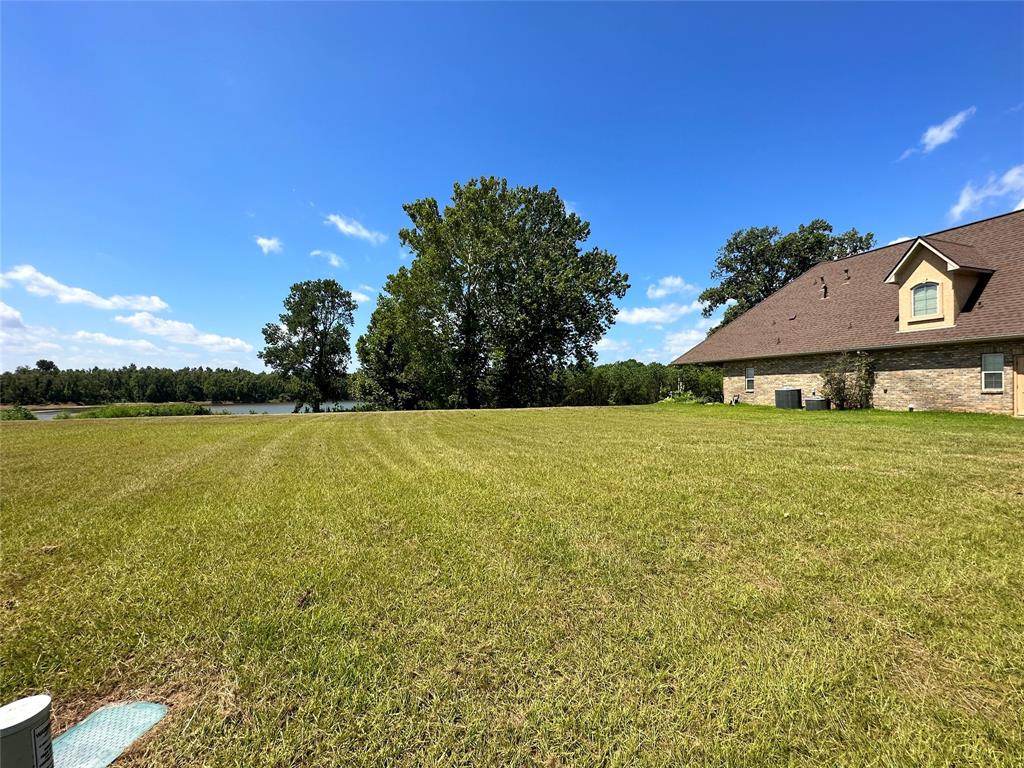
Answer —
(100, 739)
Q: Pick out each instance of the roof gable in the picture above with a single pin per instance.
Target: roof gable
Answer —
(955, 255)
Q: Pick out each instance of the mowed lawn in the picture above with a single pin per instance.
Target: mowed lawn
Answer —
(657, 585)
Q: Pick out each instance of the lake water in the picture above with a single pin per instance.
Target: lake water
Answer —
(238, 408)
(345, 405)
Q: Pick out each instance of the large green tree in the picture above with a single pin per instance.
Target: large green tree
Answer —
(756, 262)
(499, 298)
(311, 340)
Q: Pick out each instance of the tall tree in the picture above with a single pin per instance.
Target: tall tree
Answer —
(311, 340)
(499, 298)
(756, 262)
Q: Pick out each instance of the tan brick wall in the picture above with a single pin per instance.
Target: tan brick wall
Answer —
(946, 378)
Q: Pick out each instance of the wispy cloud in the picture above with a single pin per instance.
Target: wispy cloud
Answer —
(20, 340)
(269, 244)
(678, 342)
(943, 133)
(182, 333)
(332, 258)
(611, 345)
(352, 228)
(613, 350)
(650, 354)
(139, 345)
(669, 285)
(900, 239)
(10, 317)
(666, 313)
(971, 197)
(38, 284)
(360, 297)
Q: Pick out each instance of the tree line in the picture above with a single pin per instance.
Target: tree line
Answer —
(46, 383)
(627, 382)
(630, 382)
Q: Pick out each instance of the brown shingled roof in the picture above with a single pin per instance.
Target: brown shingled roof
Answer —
(966, 256)
(861, 309)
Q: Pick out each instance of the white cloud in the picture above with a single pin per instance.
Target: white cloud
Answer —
(269, 244)
(940, 134)
(352, 228)
(139, 345)
(650, 355)
(364, 294)
(946, 131)
(1020, 205)
(24, 343)
(680, 341)
(182, 333)
(971, 197)
(10, 317)
(898, 240)
(669, 285)
(38, 284)
(332, 258)
(613, 350)
(611, 345)
(666, 313)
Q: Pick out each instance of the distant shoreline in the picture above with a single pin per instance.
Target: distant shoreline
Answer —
(80, 407)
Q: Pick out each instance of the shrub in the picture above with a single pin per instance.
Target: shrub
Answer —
(16, 413)
(128, 411)
(682, 397)
(849, 381)
(702, 383)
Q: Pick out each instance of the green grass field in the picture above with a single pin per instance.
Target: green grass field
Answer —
(658, 585)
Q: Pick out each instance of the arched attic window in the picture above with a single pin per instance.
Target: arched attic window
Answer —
(926, 299)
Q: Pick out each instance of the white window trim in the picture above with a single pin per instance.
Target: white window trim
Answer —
(1001, 371)
(748, 381)
(938, 303)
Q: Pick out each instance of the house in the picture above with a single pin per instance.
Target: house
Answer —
(942, 315)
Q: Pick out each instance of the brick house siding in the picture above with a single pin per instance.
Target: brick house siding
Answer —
(939, 378)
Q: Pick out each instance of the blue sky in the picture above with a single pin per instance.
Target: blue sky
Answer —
(169, 170)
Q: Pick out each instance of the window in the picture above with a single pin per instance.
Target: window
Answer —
(926, 299)
(748, 375)
(992, 372)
